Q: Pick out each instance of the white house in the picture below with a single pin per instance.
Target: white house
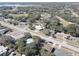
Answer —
(6, 20)
(23, 55)
(45, 15)
(29, 40)
(3, 50)
(22, 23)
(38, 27)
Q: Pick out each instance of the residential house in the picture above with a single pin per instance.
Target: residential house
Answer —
(45, 16)
(74, 38)
(5, 38)
(15, 34)
(3, 51)
(38, 26)
(47, 46)
(29, 40)
(1, 18)
(6, 20)
(4, 30)
(62, 36)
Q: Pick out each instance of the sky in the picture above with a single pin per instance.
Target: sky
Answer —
(39, 0)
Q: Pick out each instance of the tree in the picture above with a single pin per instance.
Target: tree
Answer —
(21, 46)
(54, 25)
(71, 29)
(21, 18)
(28, 49)
(37, 39)
(0, 34)
(31, 27)
(15, 23)
(37, 42)
(11, 46)
(31, 50)
(27, 35)
(46, 32)
(77, 31)
(44, 52)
